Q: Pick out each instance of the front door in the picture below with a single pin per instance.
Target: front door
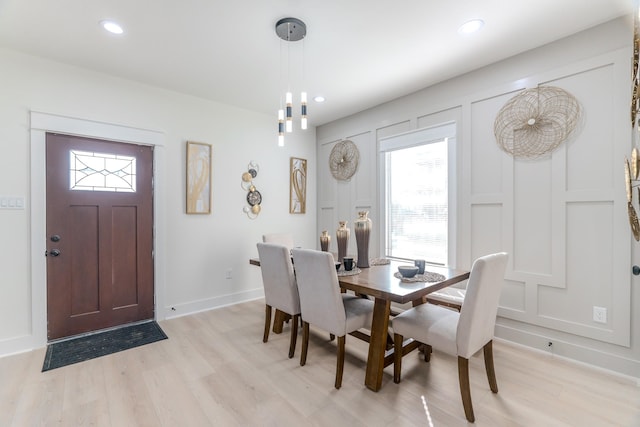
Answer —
(99, 234)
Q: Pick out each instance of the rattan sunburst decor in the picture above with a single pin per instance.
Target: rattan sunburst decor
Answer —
(536, 121)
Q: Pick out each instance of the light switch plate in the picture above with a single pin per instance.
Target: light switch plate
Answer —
(11, 202)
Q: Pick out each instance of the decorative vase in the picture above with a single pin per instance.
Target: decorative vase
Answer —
(325, 239)
(342, 237)
(362, 227)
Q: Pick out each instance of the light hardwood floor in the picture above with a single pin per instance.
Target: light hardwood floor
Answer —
(214, 370)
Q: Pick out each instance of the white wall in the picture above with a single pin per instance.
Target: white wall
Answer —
(562, 219)
(198, 250)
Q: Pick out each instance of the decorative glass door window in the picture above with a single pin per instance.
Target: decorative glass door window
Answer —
(101, 172)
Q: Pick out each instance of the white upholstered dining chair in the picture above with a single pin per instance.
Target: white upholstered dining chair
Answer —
(323, 305)
(280, 288)
(284, 239)
(461, 333)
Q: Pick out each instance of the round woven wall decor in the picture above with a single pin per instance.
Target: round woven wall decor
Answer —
(343, 160)
(536, 121)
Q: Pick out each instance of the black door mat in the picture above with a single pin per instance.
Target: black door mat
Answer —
(88, 347)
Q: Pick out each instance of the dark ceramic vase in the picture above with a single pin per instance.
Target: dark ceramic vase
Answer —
(342, 237)
(325, 239)
(362, 228)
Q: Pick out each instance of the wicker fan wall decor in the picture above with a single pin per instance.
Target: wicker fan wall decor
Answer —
(632, 171)
(536, 121)
(343, 160)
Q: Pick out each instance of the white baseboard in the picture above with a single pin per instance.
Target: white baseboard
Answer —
(179, 310)
(601, 360)
(17, 345)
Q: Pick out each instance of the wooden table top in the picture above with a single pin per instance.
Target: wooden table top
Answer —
(379, 282)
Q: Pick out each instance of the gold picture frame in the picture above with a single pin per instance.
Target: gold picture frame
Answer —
(198, 178)
(297, 185)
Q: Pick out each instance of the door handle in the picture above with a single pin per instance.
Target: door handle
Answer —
(636, 270)
(54, 252)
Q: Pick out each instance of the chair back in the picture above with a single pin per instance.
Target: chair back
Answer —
(280, 288)
(284, 239)
(320, 298)
(478, 314)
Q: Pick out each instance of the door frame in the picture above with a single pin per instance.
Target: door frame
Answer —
(40, 124)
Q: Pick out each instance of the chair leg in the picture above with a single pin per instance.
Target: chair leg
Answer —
(305, 342)
(267, 322)
(294, 335)
(465, 389)
(340, 362)
(488, 364)
(397, 357)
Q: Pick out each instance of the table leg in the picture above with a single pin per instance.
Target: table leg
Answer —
(377, 344)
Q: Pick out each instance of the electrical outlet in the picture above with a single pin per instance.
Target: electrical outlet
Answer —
(599, 314)
(229, 274)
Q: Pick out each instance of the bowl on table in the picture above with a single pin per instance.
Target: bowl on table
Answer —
(338, 264)
(408, 270)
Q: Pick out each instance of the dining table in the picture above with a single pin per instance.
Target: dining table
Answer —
(380, 282)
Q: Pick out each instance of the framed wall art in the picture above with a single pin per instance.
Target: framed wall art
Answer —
(198, 178)
(298, 186)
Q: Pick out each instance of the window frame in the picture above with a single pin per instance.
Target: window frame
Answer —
(437, 133)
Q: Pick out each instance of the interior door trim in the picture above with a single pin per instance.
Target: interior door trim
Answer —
(40, 124)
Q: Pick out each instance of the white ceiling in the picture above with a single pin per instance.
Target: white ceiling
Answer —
(357, 53)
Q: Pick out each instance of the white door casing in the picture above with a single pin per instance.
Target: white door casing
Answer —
(40, 124)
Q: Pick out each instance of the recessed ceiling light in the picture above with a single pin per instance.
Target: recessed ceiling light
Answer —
(112, 27)
(471, 26)
(318, 98)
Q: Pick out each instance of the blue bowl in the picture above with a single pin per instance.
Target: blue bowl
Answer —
(408, 270)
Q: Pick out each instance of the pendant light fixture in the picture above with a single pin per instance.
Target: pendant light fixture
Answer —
(290, 30)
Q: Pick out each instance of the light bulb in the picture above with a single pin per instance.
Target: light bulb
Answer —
(112, 27)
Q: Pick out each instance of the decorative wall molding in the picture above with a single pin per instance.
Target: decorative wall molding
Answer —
(556, 217)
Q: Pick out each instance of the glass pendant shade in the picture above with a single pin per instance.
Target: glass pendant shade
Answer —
(290, 30)
(289, 101)
(280, 128)
(303, 110)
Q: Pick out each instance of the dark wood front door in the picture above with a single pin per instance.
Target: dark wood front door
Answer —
(99, 234)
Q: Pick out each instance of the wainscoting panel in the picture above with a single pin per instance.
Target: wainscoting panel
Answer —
(532, 220)
(561, 216)
(513, 296)
(327, 196)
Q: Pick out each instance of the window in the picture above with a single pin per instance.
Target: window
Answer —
(418, 195)
(101, 172)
